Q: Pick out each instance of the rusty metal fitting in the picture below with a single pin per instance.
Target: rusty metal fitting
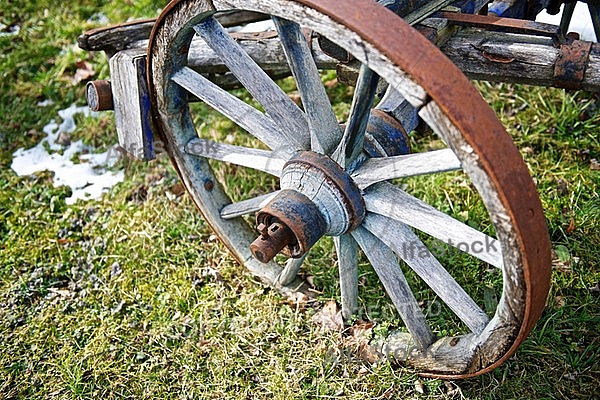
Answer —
(291, 224)
(317, 198)
(571, 64)
(99, 95)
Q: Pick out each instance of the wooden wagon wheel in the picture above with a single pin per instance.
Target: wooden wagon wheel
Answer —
(329, 186)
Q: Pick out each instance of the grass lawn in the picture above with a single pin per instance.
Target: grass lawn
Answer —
(133, 296)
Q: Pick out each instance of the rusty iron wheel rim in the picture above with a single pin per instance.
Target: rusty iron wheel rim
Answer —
(505, 172)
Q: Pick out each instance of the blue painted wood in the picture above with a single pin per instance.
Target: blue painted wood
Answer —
(248, 206)
(393, 103)
(273, 99)
(522, 9)
(567, 14)
(347, 253)
(325, 132)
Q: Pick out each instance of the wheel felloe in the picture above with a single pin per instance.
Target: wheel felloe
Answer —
(470, 129)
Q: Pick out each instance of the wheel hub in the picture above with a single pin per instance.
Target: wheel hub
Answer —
(318, 198)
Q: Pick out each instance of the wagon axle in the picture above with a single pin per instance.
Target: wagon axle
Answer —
(318, 198)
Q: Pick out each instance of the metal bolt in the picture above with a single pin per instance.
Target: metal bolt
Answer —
(209, 185)
(272, 240)
(99, 96)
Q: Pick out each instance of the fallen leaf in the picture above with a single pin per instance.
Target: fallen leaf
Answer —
(298, 299)
(562, 252)
(84, 71)
(295, 96)
(359, 334)
(571, 226)
(331, 83)
(562, 187)
(419, 387)
(178, 189)
(64, 139)
(594, 164)
(330, 317)
(528, 150)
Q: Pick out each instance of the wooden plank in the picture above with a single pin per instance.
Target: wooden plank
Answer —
(386, 266)
(506, 57)
(262, 160)
(388, 200)
(112, 39)
(381, 169)
(246, 116)
(347, 254)
(245, 207)
(132, 106)
(324, 128)
(407, 245)
(263, 47)
(274, 100)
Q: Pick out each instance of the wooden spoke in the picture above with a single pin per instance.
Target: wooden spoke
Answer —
(290, 271)
(347, 254)
(407, 245)
(595, 14)
(247, 117)
(389, 200)
(351, 145)
(386, 266)
(244, 207)
(381, 169)
(324, 128)
(262, 160)
(275, 101)
(567, 14)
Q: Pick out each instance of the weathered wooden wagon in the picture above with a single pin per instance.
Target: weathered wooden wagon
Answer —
(409, 62)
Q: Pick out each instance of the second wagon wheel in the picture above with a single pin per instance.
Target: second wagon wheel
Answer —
(330, 183)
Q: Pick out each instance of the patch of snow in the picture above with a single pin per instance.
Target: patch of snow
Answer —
(581, 21)
(88, 179)
(259, 26)
(9, 30)
(98, 18)
(45, 103)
